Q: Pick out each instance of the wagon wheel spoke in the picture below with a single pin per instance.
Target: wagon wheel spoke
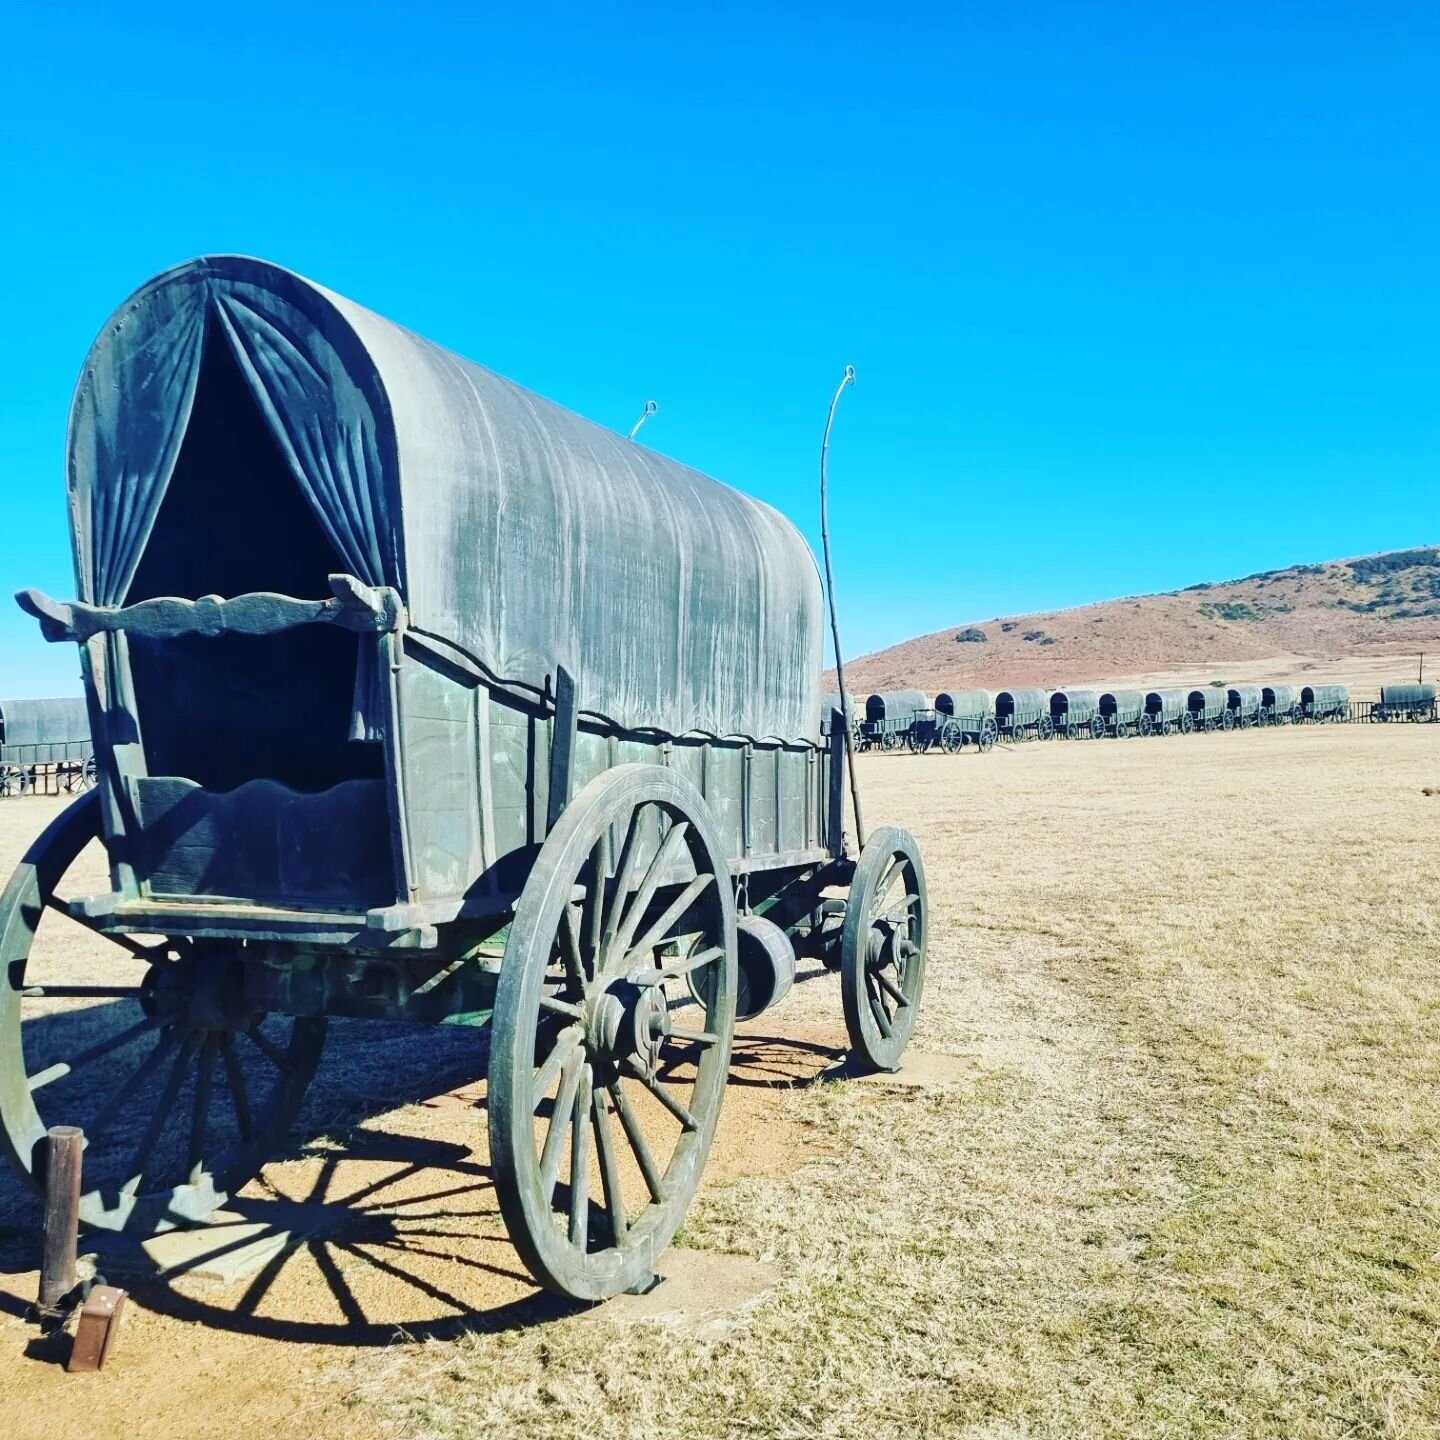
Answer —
(885, 983)
(580, 1160)
(98, 1051)
(81, 992)
(269, 1049)
(132, 1085)
(239, 1097)
(559, 1123)
(649, 1171)
(148, 953)
(609, 1165)
(200, 1112)
(663, 1095)
(621, 945)
(676, 968)
(566, 1044)
(163, 1111)
(877, 1007)
(570, 949)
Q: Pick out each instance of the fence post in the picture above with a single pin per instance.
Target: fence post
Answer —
(64, 1145)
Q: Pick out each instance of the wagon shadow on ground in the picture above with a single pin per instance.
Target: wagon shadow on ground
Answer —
(379, 1209)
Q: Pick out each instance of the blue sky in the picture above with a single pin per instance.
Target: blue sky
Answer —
(1139, 295)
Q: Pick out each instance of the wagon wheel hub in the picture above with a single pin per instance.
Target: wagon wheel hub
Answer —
(201, 991)
(626, 1026)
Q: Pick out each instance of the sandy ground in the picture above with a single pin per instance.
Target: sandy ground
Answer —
(1071, 885)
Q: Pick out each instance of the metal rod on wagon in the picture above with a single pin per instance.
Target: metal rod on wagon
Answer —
(847, 379)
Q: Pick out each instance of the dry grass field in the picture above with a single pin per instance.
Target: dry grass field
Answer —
(1185, 1183)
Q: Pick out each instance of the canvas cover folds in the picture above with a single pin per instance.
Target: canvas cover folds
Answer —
(519, 533)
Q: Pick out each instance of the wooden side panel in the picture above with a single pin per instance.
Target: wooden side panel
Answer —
(792, 830)
(519, 786)
(441, 783)
(764, 800)
(264, 841)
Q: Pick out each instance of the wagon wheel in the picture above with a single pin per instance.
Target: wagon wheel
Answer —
(1187, 724)
(952, 739)
(985, 740)
(1072, 731)
(882, 947)
(180, 1091)
(81, 777)
(1146, 724)
(13, 781)
(1017, 734)
(1097, 728)
(1045, 728)
(890, 743)
(601, 1109)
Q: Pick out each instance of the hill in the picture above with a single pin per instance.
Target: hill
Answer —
(1358, 619)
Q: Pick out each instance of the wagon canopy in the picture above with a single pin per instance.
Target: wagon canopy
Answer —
(1124, 705)
(1209, 702)
(1244, 698)
(1074, 707)
(1411, 694)
(1282, 697)
(44, 722)
(895, 705)
(1024, 706)
(516, 532)
(1167, 704)
(965, 704)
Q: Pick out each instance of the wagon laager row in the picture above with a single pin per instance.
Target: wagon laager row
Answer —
(45, 747)
(421, 698)
(900, 719)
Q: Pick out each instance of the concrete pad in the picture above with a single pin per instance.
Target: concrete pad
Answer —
(701, 1292)
(232, 1247)
(919, 1069)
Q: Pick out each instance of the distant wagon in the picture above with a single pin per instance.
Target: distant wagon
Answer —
(1406, 702)
(1210, 709)
(965, 717)
(1278, 704)
(1122, 713)
(1324, 704)
(1020, 714)
(45, 747)
(1167, 712)
(1244, 703)
(502, 721)
(1074, 713)
(889, 715)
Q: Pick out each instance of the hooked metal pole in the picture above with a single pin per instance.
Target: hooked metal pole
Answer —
(650, 408)
(847, 379)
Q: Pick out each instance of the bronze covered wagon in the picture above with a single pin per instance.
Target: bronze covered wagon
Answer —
(416, 696)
